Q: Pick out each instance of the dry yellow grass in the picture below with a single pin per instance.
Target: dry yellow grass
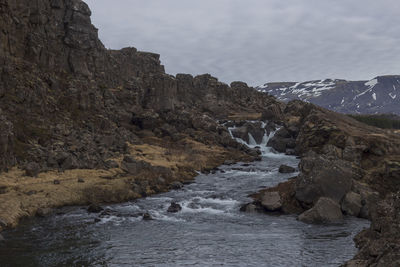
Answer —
(22, 196)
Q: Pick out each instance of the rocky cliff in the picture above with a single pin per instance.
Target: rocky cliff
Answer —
(68, 105)
(65, 97)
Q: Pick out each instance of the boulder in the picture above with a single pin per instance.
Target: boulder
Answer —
(286, 169)
(271, 201)
(323, 177)
(176, 185)
(351, 204)
(174, 207)
(281, 144)
(325, 211)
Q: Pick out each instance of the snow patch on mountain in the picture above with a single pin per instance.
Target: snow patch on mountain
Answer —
(371, 84)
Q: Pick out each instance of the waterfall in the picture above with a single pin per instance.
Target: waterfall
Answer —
(252, 142)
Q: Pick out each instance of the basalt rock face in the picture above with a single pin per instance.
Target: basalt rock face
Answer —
(67, 102)
(354, 165)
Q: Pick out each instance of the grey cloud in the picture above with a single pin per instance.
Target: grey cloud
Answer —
(258, 40)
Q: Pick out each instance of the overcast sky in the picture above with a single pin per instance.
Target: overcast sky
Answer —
(259, 41)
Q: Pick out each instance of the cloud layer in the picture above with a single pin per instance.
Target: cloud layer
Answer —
(258, 41)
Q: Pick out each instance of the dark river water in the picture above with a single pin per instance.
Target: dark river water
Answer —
(209, 231)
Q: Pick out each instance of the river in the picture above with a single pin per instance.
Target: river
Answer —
(208, 231)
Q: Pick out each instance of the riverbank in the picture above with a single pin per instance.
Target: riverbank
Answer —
(147, 169)
(209, 228)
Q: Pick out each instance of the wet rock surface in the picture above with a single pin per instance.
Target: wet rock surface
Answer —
(325, 210)
(271, 201)
(286, 169)
(94, 208)
(174, 207)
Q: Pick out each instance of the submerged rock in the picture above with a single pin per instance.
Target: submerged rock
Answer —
(174, 207)
(286, 169)
(325, 211)
(251, 208)
(147, 217)
(93, 208)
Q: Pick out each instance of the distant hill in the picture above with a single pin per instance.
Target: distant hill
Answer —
(377, 96)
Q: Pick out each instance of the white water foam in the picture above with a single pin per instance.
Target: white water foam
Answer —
(224, 202)
(186, 208)
(156, 215)
(252, 143)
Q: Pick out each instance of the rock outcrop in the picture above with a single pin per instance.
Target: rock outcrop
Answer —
(67, 102)
(351, 164)
(69, 105)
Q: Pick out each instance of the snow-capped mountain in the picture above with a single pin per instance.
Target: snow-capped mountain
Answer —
(379, 95)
